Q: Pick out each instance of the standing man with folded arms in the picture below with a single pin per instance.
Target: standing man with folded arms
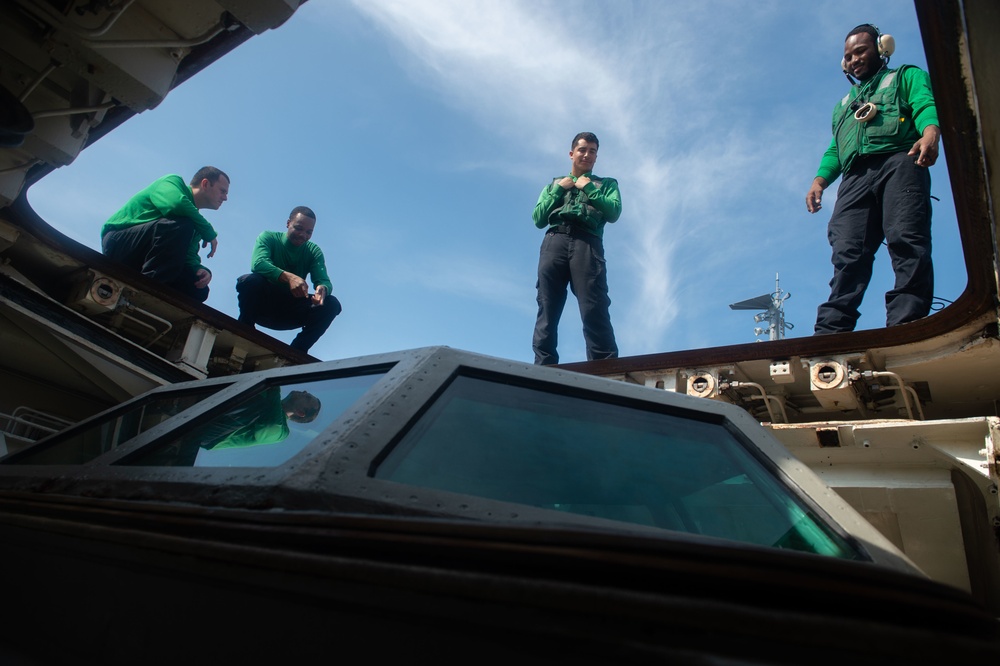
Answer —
(573, 210)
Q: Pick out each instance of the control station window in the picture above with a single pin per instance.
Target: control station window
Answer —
(264, 429)
(527, 446)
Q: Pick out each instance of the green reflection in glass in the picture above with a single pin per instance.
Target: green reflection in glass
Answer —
(526, 446)
(76, 447)
(262, 430)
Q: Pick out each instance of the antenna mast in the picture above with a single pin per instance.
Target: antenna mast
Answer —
(773, 306)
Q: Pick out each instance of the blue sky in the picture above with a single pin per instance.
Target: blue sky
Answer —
(422, 131)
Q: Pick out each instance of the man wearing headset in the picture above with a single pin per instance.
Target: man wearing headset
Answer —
(885, 136)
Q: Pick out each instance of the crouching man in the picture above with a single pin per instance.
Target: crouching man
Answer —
(276, 294)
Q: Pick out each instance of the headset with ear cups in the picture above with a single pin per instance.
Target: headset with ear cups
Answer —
(864, 110)
(886, 47)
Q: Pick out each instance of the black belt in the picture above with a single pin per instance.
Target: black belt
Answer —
(564, 229)
(864, 161)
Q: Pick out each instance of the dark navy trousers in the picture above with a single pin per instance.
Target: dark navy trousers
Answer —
(273, 306)
(158, 250)
(884, 197)
(576, 259)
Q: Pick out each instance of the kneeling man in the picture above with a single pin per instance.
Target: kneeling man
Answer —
(276, 295)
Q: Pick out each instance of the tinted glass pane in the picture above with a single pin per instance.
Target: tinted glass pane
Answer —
(77, 447)
(522, 445)
(263, 430)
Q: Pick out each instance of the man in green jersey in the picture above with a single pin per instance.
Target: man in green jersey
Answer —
(573, 210)
(885, 136)
(276, 294)
(260, 420)
(158, 232)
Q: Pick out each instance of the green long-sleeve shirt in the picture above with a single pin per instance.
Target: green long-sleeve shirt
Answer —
(167, 197)
(262, 420)
(901, 121)
(588, 209)
(273, 254)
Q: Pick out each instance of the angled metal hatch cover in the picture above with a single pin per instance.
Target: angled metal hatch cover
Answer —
(532, 446)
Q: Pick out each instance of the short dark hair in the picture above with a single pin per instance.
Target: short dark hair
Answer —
(589, 137)
(211, 173)
(301, 400)
(305, 210)
(867, 29)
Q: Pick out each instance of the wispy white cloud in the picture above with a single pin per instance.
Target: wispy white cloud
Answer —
(511, 63)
